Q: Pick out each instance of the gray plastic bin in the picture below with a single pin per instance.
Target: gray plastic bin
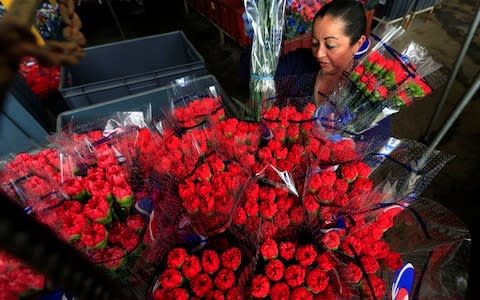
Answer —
(114, 70)
(93, 117)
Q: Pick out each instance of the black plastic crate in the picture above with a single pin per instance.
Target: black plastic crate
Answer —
(114, 70)
(154, 101)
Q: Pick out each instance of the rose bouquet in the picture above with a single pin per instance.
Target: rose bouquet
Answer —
(42, 80)
(299, 16)
(217, 271)
(388, 78)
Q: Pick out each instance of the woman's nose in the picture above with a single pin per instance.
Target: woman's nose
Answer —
(319, 51)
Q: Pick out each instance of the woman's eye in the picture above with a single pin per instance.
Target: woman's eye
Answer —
(330, 46)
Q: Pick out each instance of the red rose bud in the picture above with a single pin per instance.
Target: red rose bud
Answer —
(207, 206)
(305, 255)
(171, 279)
(210, 261)
(251, 208)
(340, 185)
(123, 196)
(328, 178)
(294, 275)
(280, 291)
(393, 260)
(301, 293)
(225, 279)
(326, 195)
(315, 183)
(311, 205)
(377, 284)
(369, 263)
(351, 273)
(267, 229)
(268, 209)
(114, 258)
(203, 173)
(281, 220)
(293, 132)
(178, 294)
(280, 134)
(287, 250)
(176, 258)
(98, 210)
(260, 286)
(269, 249)
(239, 216)
(191, 267)
(232, 258)
(274, 270)
(201, 284)
(72, 226)
(349, 173)
(331, 240)
(325, 261)
(297, 215)
(234, 293)
(94, 236)
(384, 222)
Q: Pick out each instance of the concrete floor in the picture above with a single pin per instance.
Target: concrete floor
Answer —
(443, 35)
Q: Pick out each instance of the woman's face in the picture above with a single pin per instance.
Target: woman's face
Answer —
(331, 46)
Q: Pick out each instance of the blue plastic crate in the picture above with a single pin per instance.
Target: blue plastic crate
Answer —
(114, 70)
(154, 101)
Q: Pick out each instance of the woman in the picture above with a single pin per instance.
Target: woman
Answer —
(337, 35)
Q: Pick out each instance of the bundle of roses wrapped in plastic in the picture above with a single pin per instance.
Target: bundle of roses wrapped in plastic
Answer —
(283, 181)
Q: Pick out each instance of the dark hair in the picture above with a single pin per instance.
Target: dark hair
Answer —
(351, 12)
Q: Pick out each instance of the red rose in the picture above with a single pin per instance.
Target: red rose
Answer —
(251, 208)
(328, 178)
(349, 172)
(171, 278)
(210, 261)
(239, 216)
(287, 250)
(297, 215)
(234, 293)
(203, 173)
(301, 293)
(393, 260)
(294, 275)
(281, 220)
(201, 284)
(284, 203)
(207, 206)
(377, 249)
(317, 280)
(136, 222)
(268, 209)
(331, 240)
(267, 229)
(340, 186)
(315, 182)
(369, 263)
(311, 205)
(232, 258)
(191, 267)
(305, 255)
(94, 236)
(225, 279)
(176, 257)
(341, 199)
(351, 273)
(280, 291)
(326, 195)
(363, 169)
(274, 270)
(376, 283)
(260, 286)
(269, 249)
(384, 222)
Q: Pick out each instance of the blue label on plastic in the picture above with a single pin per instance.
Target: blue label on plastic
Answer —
(403, 283)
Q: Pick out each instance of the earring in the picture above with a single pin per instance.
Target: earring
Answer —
(362, 50)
